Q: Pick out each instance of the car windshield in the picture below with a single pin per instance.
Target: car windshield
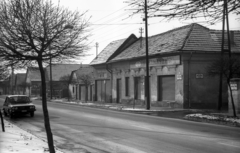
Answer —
(19, 99)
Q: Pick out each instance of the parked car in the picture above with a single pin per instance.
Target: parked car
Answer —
(18, 104)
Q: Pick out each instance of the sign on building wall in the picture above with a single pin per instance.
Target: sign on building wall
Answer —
(179, 77)
(234, 86)
(161, 61)
(102, 75)
(199, 76)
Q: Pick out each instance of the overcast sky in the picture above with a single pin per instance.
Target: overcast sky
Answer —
(110, 21)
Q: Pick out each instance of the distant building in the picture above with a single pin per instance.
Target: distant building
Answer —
(33, 85)
(20, 84)
(59, 85)
(82, 83)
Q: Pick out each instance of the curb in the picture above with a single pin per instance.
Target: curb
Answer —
(196, 119)
(233, 124)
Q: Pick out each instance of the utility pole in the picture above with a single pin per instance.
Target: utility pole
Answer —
(97, 45)
(225, 14)
(12, 80)
(147, 94)
(141, 32)
(222, 53)
(50, 66)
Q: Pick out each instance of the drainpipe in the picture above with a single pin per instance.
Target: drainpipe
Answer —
(110, 71)
(189, 82)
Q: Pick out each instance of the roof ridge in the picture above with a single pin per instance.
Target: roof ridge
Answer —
(175, 29)
(187, 36)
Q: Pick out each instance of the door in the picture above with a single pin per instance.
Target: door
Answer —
(166, 88)
(119, 90)
(137, 88)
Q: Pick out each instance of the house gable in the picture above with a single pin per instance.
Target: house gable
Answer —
(112, 49)
(33, 74)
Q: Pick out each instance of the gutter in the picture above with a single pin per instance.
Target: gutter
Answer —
(110, 71)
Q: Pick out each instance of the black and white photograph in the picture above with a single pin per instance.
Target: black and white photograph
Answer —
(119, 76)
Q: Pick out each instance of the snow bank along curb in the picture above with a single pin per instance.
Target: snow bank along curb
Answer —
(129, 108)
(16, 139)
(217, 119)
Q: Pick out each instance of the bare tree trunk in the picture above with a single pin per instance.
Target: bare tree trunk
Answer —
(45, 110)
(233, 105)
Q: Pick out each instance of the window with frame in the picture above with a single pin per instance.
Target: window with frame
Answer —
(126, 86)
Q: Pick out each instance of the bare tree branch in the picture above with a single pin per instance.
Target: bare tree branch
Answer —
(35, 31)
(209, 10)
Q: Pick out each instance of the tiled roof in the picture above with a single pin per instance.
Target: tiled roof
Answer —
(166, 42)
(84, 70)
(107, 52)
(34, 74)
(193, 37)
(204, 39)
(60, 70)
(20, 78)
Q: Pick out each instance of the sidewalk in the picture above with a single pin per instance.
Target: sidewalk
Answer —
(16, 140)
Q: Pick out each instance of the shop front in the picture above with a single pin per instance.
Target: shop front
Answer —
(166, 84)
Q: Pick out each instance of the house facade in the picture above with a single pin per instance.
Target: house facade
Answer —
(20, 84)
(104, 76)
(177, 66)
(33, 85)
(81, 87)
(60, 77)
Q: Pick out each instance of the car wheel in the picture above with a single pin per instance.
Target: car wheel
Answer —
(32, 114)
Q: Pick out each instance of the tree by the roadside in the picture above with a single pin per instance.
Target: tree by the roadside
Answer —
(209, 10)
(34, 31)
(230, 68)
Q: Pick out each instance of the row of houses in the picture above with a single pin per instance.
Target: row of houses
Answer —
(177, 65)
(29, 83)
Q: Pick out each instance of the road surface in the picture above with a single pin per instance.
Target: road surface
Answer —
(91, 130)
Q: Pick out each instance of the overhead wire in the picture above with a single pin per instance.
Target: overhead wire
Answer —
(111, 38)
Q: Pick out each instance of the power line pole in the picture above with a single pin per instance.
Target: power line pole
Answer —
(141, 32)
(147, 94)
(222, 50)
(97, 45)
(50, 66)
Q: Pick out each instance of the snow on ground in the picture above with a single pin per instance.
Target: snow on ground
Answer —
(214, 118)
(17, 140)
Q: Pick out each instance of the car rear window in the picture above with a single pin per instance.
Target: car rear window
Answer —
(19, 99)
